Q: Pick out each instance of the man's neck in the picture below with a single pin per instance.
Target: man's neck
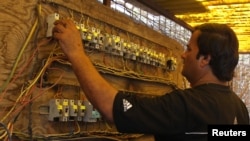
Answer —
(209, 79)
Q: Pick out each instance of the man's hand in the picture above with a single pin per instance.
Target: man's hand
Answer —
(68, 36)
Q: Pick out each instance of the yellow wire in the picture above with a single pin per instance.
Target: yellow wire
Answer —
(21, 52)
(30, 86)
(17, 61)
(5, 132)
(19, 56)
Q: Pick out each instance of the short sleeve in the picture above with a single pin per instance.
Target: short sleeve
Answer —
(137, 114)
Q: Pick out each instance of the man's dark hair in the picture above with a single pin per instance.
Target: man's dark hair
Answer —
(221, 43)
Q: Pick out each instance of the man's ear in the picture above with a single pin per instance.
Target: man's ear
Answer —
(204, 60)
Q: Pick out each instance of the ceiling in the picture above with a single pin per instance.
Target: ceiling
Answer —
(235, 13)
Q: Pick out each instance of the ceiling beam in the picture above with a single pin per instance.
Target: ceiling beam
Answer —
(164, 12)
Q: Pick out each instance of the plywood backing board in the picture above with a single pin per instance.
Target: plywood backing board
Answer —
(23, 56)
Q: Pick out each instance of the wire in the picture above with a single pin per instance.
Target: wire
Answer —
(130, 74)
(24, 103)
(32, 31)
(4, 86)
(32, 83)
(35, 97)
(67, 135)
(6, 131)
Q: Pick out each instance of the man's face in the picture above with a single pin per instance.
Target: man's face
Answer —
(190, 63)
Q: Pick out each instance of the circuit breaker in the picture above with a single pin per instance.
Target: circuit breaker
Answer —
(94, 38)
(73, 110)
(80, 110)
(58, 110)
(65, 110)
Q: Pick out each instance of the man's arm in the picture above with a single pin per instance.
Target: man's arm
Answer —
(98, 91)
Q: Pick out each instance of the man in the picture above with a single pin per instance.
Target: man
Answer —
(209, 63)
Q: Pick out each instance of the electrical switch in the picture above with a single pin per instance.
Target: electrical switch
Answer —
(80, 110)
(50, 23)
(65, 110)
(73, 110)
(55, 109)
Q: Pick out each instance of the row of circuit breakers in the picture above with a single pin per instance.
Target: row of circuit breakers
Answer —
(115, 45)
(64, 110)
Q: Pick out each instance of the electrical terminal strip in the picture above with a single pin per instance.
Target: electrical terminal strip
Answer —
(115, 45)
(65, 110)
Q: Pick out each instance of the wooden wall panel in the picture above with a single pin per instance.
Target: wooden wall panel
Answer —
(24, 97)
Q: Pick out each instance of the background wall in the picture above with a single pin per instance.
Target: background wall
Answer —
(35, 71)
